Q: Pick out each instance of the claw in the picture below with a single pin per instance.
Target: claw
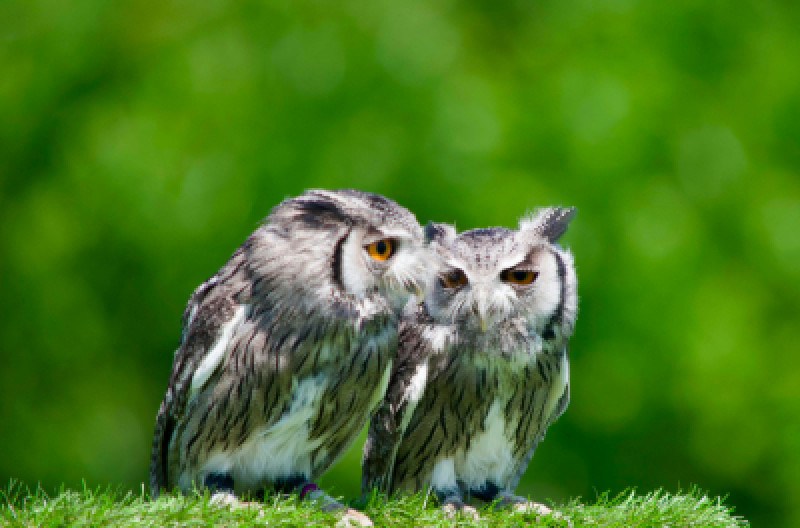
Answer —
(538, 509)
(352, 517)
(226, 498)
(452, 508)
(531, 507)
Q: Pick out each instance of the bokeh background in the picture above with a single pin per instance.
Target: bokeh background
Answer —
(142, 141)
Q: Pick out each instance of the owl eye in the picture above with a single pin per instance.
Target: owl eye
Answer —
(381, 250)
(519, 276)
(453, 279)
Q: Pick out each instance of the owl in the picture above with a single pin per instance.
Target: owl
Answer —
(287, 350)
(482, 367)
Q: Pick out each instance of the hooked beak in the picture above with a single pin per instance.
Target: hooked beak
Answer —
(482, 312)
(418, 291)
(415, 288)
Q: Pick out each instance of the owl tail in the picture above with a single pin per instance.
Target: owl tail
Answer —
(165, 424)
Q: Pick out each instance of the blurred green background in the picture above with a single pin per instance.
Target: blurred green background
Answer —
(142, 141)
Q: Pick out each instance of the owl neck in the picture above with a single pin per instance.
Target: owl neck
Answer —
(336, 312)
(510, 341)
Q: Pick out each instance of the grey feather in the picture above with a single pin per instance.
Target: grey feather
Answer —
(496, 358)
(386, 426)
(285, 350)
(439, 233)
(549, 223)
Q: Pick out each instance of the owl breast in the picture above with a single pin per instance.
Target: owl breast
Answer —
(490, 452)
(479, 417)
(325, 412)
(515, 421)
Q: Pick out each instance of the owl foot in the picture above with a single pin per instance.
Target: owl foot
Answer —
(540, 510)
(453, 502)
(324, 502)
(221, 487)
(226, 498)
(452, 508)
(351, 517)
(531, 507)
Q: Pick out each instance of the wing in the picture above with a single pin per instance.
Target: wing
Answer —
(406, 386)
(210, 312)
(558, 410)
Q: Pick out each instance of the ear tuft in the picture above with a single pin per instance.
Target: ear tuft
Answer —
(549, 223)
(441, 234)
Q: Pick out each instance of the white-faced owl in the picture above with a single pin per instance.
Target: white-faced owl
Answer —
(482, 367)
(286, 351)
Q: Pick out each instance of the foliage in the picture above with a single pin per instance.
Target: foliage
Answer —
(141, 141)
(107, 507)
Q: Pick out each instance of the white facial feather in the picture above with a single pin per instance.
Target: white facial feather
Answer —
(395, 277)
(355, 275)
(406, 265)
(548, 287)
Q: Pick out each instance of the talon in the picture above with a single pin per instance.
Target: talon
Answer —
(471, 512)
(451, 508)
(532, 507)
(352, 517)
(540, 510)
(226, 498)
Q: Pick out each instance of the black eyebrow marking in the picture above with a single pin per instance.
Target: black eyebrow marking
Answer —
(558, 314)
(319, 212)
(336, 266)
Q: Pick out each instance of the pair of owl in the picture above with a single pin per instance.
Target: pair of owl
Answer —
(341, 308)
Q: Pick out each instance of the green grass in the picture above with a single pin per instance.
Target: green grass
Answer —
(20, 507)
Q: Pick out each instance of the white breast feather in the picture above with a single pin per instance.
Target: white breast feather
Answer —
(279, 450)
(490, 453)
(443, 475)
(437, 336)
(284, 448)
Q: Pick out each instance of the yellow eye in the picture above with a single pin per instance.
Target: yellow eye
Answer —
(453, 279)
(381, 250)
(519, 276)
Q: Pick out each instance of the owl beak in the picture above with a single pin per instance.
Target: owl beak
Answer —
(482, 313)
(419, 292)
(415, 288)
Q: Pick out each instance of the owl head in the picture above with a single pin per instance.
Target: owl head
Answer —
(488, 279)
(326, 246)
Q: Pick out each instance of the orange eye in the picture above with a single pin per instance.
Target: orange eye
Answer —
(453, 279)
(519, 276)
(381, 250)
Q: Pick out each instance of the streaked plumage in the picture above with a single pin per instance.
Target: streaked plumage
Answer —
(482, 367)
(286, 350)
